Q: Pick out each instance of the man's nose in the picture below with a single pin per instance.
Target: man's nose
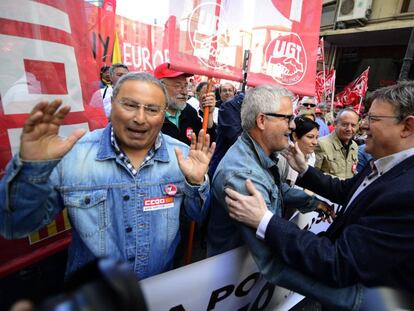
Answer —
(139, 115)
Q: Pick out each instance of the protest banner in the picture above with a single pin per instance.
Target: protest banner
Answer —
(209, 38)
(229, 281)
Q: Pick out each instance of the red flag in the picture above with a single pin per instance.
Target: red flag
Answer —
(354, 91)
(325, 84)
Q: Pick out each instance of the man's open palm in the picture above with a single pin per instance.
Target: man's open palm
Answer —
(40, 139)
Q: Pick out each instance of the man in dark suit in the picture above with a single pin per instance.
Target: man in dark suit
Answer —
(371, 240)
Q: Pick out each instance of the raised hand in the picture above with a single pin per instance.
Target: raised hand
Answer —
(195, 166)
(40, 139)
(296, 158)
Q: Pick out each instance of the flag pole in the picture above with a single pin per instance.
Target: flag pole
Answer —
(333, 94)
(322, 44)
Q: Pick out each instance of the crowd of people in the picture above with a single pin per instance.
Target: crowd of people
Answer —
(130, 187)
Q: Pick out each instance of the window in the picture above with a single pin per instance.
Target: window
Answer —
(328, 14)
(408, 6)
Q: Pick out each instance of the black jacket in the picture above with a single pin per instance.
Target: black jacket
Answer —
(189, 122)
(371, 242)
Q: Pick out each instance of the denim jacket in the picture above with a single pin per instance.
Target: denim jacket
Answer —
(113, 213)
(246, 159)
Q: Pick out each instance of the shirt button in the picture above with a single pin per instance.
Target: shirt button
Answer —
(128, 230)
(126, 197)
(87, 200)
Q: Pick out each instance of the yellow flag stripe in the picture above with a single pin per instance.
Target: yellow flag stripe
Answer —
(34, 237)
(116, 51)
(51, 228)
(66, 219)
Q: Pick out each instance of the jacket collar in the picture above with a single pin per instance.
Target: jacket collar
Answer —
(263, 158)
(337, 144)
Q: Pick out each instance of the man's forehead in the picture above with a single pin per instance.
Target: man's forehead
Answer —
(348, 115)
(128, 86)
(285, 103)
(120, 69)
(227, 86)
(381, 104)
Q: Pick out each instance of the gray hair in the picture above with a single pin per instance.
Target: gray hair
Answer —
(139, 76)
(342, 111)
(400, 96)
(114, 66)
(264, 98)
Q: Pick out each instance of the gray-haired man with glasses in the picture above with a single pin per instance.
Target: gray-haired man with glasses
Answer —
(266, 116)
(123, 186)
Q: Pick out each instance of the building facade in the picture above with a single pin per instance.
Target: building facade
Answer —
(362, 33)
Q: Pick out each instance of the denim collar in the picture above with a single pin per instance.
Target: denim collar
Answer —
(107, 151)
(263, 158)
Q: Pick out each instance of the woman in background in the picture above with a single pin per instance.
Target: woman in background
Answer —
(306, 135)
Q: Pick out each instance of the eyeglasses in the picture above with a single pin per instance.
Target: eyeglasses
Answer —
(151, 110)
(309, 105)
(287, 117)
(177, 85)
(369, 118)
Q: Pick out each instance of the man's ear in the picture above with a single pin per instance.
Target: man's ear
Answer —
(260, 120)
(408, 129)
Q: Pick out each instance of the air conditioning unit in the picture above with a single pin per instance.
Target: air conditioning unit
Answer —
(356, 11)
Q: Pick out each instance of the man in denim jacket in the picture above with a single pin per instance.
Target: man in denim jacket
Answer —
(123, 185)
(266, 116)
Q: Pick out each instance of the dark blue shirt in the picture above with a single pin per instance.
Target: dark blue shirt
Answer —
(228, 129)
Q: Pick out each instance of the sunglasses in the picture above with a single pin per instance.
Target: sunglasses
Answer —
(309, 105)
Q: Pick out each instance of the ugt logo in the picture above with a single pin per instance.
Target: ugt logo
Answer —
(286, 58)
(208, 33)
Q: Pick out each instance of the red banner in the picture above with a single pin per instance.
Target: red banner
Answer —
(210, 38)
(142, 46)
(45, 54)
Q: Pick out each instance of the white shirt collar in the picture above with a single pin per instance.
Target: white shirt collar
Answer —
(384, 164)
